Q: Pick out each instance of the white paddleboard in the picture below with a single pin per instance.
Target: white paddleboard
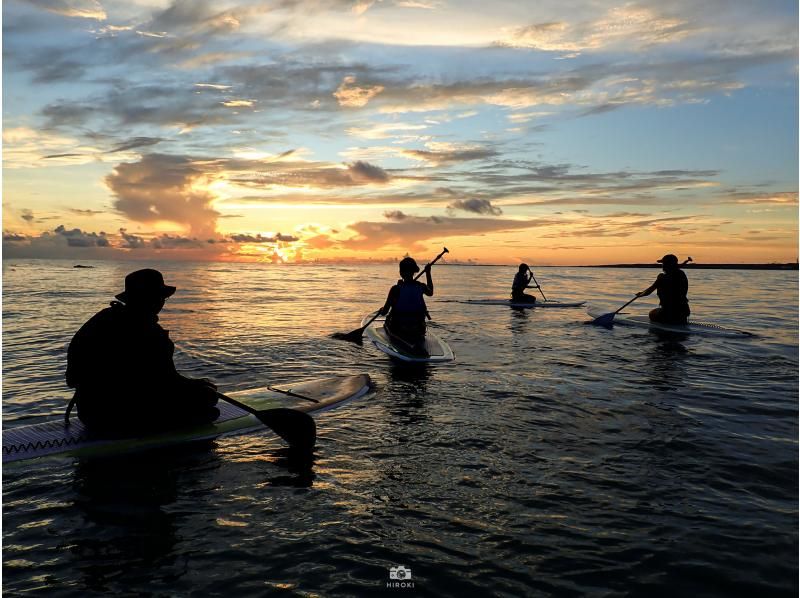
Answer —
(56, 439)
(438, 350)
(692, 327)
(510, 303)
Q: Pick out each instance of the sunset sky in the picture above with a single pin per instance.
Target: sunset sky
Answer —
(555, 132)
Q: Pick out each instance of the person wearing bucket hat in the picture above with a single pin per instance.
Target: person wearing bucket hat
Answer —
(405, 305)
(120, 365)
(143, 285)
(672, 287)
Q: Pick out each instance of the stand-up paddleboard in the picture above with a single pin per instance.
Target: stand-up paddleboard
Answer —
(525, 305)
(57, 439)
(438, 350)
(691, 328)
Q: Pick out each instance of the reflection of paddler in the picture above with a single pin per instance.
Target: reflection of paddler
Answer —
(672, 287)
(405, 304)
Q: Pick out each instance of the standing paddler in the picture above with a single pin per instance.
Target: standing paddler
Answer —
(672, 287)
(405, 305)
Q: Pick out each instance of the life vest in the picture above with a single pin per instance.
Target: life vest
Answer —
(410, 298)
(672, 290)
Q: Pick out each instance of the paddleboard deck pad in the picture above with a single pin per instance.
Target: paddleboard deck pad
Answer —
(692, 327)
(523, 305)
(56, 439)
(438, 350)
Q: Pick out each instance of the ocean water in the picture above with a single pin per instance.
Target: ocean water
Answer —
(551, 458)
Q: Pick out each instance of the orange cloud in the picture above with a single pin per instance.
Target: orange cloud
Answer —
(165, 188)
(350, 95)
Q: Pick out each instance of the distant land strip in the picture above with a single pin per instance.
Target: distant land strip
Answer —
(787, 266)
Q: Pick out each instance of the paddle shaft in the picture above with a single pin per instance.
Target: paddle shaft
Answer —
(236, 403)
(537, 284)
(626, 305)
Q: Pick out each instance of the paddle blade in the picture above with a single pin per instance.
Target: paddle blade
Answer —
(295, 427)
(353, 337)
(604, 320)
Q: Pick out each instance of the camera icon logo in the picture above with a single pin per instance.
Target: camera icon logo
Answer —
(400, 573)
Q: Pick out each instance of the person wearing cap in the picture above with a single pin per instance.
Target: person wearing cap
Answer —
(522, 281)
(405, 305)
(120, 365)
(672, 287)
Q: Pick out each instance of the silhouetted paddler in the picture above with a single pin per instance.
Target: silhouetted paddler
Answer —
(120, 365)
(405, 305)
(522, 281)
(672, 287)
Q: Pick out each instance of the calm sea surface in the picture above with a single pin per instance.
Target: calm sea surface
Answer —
(551, 458)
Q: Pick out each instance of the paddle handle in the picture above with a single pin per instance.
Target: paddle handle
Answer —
(436, 259)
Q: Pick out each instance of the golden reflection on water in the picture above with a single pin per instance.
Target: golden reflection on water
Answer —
(544, 434)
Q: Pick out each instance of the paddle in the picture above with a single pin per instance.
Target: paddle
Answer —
(608, 319)
(537, 285)
(295, 427)
(355, 335)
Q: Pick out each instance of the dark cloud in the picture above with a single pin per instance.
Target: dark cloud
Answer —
(63, 113)
(166, 241)
(27, 216)
(518, 179)
(363, 171)
(130, 241)
(14, 237)
(395, 215)
(448, 156)
(477, 206)
(78, 238)
(621, 225)
(202, 17)
(56, 71)
(134, 143)
(301, 174)
(85, 212)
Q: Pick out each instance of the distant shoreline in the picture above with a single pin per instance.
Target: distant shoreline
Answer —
(786, 266)
(789, 266)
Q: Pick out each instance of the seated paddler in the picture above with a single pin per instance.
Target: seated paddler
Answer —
(672, 287)
(120, 365)
(405, 308)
